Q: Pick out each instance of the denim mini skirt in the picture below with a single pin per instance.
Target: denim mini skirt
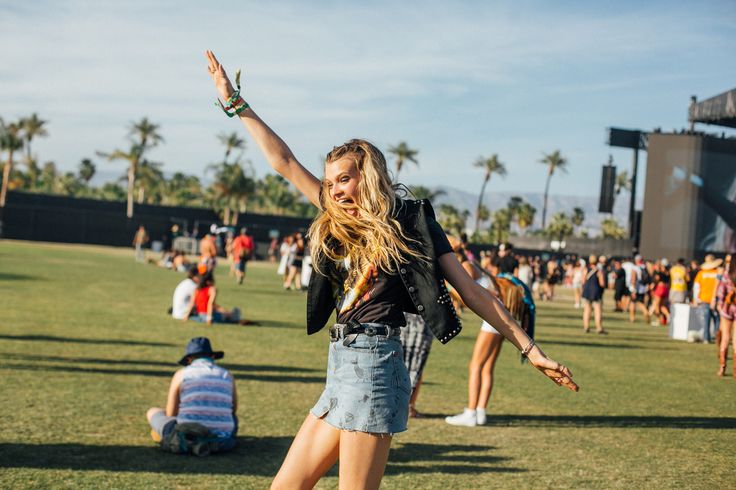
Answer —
(367, 387)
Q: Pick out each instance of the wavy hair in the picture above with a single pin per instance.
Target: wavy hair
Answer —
(374, 236)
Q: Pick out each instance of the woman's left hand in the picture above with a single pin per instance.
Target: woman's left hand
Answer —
(556, 372)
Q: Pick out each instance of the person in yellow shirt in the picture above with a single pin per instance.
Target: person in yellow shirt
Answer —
(678, 282)
(704, 289)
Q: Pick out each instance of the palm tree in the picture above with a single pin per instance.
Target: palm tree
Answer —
(232, 142)
(143, 135)
(403, 154)
(47, 177)
(611, 229)
(32, 127)
(87, 170)
(230, 190)
(149, 181)
(421, 192)
(525, 216)
(554, 161)
(578, 217)
(623, 183)
(182, 189)
(501, 225)
(11, 142)
(490, 166)
(452, 219)
(559, 227)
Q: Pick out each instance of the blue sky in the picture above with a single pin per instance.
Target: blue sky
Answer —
(454, 80)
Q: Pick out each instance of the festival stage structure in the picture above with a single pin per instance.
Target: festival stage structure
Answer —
(690, 193)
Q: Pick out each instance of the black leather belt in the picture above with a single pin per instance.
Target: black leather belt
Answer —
(350, 330)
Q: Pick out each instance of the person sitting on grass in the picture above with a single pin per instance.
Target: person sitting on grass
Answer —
(203, 393)
(181, 306)
(204, 308)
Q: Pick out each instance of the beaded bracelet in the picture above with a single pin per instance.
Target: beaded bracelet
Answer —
(235, 103)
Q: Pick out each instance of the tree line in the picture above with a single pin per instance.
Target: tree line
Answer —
(234, 188)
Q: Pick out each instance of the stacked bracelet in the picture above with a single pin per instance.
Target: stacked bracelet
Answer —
(235, 103)
(526, 350)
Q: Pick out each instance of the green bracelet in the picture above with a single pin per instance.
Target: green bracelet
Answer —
(235, 103)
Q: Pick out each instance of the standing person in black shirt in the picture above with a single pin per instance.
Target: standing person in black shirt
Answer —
(505, 262)
(375, 256)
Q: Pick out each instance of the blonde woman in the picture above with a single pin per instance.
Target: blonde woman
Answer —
(485, 353)
(374, 257)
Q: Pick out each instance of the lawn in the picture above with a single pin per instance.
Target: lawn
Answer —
(87, 347)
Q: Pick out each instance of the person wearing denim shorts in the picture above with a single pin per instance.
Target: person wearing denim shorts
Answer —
(375, 256)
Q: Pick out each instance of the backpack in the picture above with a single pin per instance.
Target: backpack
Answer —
(190, 438)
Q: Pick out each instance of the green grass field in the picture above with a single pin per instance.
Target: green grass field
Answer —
(87, 347)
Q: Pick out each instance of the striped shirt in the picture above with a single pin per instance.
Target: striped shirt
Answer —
(206, 397)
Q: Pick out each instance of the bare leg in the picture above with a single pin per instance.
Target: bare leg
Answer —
(632, 310)
(290, 277)
(413, 400)
(726, 326)
(486, 385)
(481, 352)
(598, 314)
(586, 316)
(314, 451)
(363, 459)
(645, 312)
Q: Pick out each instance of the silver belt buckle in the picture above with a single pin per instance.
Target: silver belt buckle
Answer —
(370, 330)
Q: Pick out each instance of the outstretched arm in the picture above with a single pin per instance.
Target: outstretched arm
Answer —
(490, 309)
(278, 154)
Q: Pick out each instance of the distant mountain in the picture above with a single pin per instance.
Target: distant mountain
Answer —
(496, 200)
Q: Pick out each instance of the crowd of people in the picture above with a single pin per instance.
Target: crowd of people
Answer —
(395, 281)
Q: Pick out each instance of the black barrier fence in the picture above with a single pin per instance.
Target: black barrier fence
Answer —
(42, 217)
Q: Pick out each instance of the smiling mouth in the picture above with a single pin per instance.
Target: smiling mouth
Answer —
(346, 201)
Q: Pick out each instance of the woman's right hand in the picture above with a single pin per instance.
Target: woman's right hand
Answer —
(217, 72)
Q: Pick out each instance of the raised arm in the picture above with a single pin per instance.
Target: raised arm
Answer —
(277, 153)
(490, 309)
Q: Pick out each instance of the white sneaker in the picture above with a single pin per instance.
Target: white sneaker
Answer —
(465, 419)
(480, 417)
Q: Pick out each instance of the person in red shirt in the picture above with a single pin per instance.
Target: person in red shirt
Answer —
(242, 253)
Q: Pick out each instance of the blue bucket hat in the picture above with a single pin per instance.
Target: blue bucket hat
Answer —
(199, 346)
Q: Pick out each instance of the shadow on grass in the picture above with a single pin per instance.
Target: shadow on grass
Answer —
(141, 362)
(604, 345)
(9, 276)
(253, 456)
(52, 338)
(445, 458)
(259, 456)
(606, 421)
(276, 378)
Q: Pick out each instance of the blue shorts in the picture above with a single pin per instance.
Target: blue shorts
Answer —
(163, 425)
(368, 386)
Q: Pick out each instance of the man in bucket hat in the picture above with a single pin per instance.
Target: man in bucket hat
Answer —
(202, 393)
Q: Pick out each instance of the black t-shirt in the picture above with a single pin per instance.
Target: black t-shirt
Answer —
(506, 264)
(374, 296)
(620, 281)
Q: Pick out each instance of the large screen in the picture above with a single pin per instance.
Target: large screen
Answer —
(690, 196)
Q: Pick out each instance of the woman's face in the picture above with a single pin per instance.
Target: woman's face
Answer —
(341, 178)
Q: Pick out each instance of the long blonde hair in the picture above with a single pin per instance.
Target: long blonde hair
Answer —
(374, 236)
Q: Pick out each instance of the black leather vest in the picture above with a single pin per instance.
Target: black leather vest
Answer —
(423, 280)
